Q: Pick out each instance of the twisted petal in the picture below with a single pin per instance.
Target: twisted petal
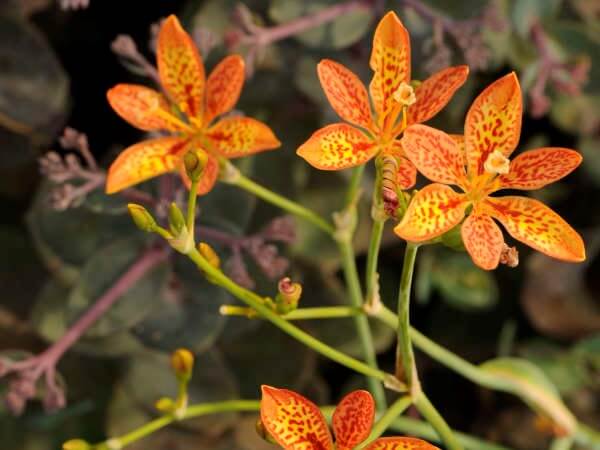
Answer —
(433, 210)
(535, 169)
(353, 419)
(209, 175)
(142, 107)
(390, 60)
(483, 240)
(436, 154)
(406, 172)
(337, 147)
(294, 421)
(400, 443)
(536, 225)
(493, 122)
(144, 160)
(346, 93)
(180, 67)
(435, 92)
(240, 136)
(223, 87)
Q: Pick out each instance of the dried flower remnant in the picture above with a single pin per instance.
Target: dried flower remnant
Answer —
(477, 164)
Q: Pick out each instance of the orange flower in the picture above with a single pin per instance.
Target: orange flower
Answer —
(396, 104)
(199, 100)
(297, 423)
(478, 164)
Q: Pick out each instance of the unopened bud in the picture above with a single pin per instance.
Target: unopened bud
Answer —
(209, 254)
(176, 219)
(76, 444)
(496, 163)
(288, 296)
(195, 161)
(142, 218)
(165, 405)
(182, 362)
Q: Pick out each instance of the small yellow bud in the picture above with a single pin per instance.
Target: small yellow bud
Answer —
(176, 219)
(76, 444)
(288, 296)
(195, 161)
(141, 217)
(165, 405)
(496, 163)
(209, 254)
(405, 94)
(182, 362)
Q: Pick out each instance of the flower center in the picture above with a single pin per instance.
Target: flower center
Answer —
(496, 163)
(405, 94)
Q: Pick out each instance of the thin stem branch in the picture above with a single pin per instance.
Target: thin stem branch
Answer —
(371, 281)
(432, 416)
(392, 413)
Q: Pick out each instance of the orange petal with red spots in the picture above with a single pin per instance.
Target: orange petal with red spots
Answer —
(400, 443)
(142, 107)
(435, 92)
(337, 146)
(295, 422)
(223, 87)
(180, 68)
(240, 136)
(483, 240)
(432, 211)
(435, 154)
(144, 160)
(346, 93)
(406, 172)
(535, 169)
(493, 122)
(390, 60)
(209, 175)
(353, 419)
(536, 225)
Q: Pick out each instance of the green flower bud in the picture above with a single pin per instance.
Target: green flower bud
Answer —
(142, 218)
(176, 220)
(195, 161)
(182, 362)
(165, 405)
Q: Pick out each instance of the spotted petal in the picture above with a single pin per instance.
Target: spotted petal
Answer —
(535, 169)
(346, 93)
(483, 240)
(435, 154)
(144, 160)
(353, 419)
(295, 422)
(142, 107)
(233, 137)
(493, 122)
(180, 68)
(433, 210)
(435, 92)
(223, 87)
(390, 60)
(400, 443)
(536, 225)
(209, 175)
(337, 147)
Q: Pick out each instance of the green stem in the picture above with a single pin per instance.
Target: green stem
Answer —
(282, 202)
(325, 312)
(372, 283)
(438, 423)
(562, 443)
(191, 211)
(354, 185)
(397, 408)
(587, 436)
(405, 360)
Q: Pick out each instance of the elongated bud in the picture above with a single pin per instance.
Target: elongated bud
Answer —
(195, 161)
(209, 254)
(165, 405)
(182, 362)
(288, 297)
(176, 219)
(76, 444)
(142, 218)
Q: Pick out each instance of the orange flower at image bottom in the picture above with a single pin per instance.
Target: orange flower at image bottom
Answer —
(478, 164)
(396, 103)
(187, 111)
(297, 423)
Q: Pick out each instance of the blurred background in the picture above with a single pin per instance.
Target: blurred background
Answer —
(64, 243)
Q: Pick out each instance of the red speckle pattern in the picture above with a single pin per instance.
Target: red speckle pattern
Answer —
(180, 67)
(483, 240)
(535, 169)
(233, 137)
(493, 122)
(435, 92)
(295, 422)
(400, 443)
(435, 154)
(353, 419)
(223, 87)
(337, 146)
(433, 210)
(346, 93)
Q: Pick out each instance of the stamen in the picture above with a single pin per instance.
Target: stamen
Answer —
(496, 163)
(405, 94)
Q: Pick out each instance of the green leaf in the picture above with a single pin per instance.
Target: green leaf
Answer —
(526, 12)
